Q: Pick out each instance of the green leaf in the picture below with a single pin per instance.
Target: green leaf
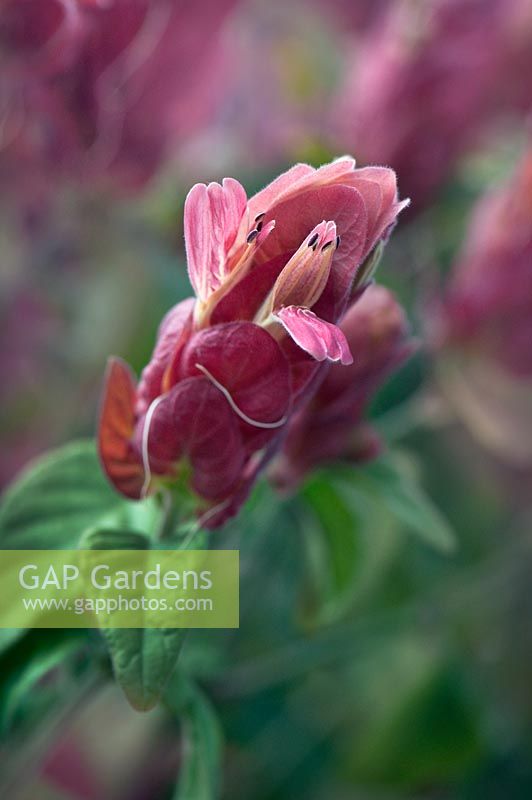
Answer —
(143, 658)
(8, 637)
(142, 516)
(32, 672)
(113, 539)
(23, 700)
(350, 540)
(332, 540)
(390, 480)
(199, 778)
(427, 730)
(56, 499)
(143, 661)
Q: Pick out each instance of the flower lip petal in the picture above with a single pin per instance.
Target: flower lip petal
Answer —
(320, 339)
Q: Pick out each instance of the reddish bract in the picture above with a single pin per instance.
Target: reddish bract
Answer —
(272, 275)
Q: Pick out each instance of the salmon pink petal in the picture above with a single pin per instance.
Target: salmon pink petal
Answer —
(338, 171)
(271, 194)
(172, 334)
(227, 205)
(383, 176)
(372, 194)
(198, 227)
(300, 178)
(245, 298)
(299, 214)
(321, 339)
(194, 421)
(380, 214)
(211, 219)
(234, 202)
(120, 458)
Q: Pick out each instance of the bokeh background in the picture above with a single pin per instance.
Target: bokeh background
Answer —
(421, 685)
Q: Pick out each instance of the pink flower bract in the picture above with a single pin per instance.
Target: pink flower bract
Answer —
(273, 275)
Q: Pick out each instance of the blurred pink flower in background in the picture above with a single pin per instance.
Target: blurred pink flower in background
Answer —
(285, 60)
(484, 323)
(488, 302)
(105, 89)
(426, 81)
(331, 426)
(516, 82)
(28, 326)
(273, 275)
(357, 16)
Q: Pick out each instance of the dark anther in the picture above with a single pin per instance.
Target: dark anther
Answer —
(313, 240)
(252, 235)
(326, 246)
(338, 240)
(259, 225)
(260, 217)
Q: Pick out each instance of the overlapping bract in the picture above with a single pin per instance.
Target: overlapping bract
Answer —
(273, 276)
(331, 425)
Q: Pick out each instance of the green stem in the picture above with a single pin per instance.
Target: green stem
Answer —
(169, 517)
